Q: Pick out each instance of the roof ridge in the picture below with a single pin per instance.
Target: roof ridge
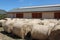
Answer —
(41, 6)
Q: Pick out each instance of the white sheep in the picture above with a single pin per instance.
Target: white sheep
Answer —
(35, 21)
(1, 22)
(21, 29)
(55, 21)
(8, 25)
(57, 27)
(45, 22)
(39, 31)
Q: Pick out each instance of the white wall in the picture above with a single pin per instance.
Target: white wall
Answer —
(48, 15)
(10, 15)
(27, 15)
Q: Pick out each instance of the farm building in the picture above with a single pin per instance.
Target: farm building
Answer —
(46, 11)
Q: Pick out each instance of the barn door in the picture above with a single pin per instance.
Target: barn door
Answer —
(36, 15)
(57, 15)
(19, 15)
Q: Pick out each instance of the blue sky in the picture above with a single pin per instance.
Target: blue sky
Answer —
(10, 4)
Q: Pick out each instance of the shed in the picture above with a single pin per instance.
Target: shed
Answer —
(45, 11)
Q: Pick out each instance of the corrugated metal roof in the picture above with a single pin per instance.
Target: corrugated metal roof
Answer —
(37, 8)
(42, 6)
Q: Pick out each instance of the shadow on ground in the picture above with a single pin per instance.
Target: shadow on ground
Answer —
(14, 36)
(27, 37)
(10, 35)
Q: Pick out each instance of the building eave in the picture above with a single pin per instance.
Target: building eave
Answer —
(37, 8)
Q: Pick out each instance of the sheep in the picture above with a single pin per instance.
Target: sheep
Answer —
(53, 21)
(39, 32)
(47, 28)
(45, 22)
(40, 29)
(50, 21)
(22, 26)
(35, 21)
(8, 25)
(59, 22)
(21, 29)
(55, 33)
(7, 18)
(1, 22)
(51, 26)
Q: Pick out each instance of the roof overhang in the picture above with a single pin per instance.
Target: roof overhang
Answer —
(37, 8)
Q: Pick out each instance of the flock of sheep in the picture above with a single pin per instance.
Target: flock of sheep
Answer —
(38, 29)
